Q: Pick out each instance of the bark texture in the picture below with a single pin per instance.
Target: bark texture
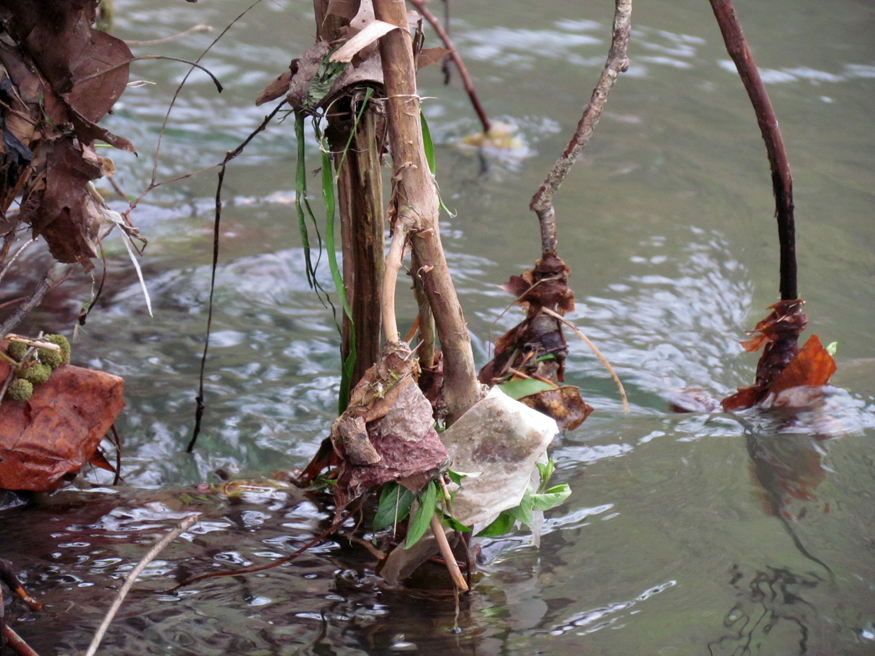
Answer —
(415, 204)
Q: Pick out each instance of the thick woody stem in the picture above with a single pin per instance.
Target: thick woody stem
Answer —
(782, 181)
(617, 62)
(416, 202)
(454, 54)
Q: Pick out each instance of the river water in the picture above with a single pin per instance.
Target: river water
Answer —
(700, 533)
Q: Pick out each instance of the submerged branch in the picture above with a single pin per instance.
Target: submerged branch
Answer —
(617, 62)
(782, 181)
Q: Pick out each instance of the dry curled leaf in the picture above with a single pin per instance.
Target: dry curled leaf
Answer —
(45, 441)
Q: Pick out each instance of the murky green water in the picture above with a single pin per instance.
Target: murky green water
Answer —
(686, 534)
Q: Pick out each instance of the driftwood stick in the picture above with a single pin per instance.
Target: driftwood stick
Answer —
(617, 62)
(16, 644)
(447, 552)
(457, 58)
(132, 577)
(415, 203)
(782, 181)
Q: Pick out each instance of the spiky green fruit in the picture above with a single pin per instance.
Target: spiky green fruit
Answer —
(53, 359)
(36, 373)
(16, 350)
(61, 341)
(20, 390)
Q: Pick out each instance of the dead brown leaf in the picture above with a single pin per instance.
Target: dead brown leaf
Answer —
(564, 404)
(45, 441)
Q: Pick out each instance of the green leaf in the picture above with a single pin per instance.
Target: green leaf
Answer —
(502, 524)
(551, 498)
(457, 476)
(544, 358)
(523, 512)
(428, 147)
(422, 518)
(328, 196)
(427, 144)
(546, 472)
(455, 524)
(394, 506)
(517, 389)
(301, 199)
(832, 348)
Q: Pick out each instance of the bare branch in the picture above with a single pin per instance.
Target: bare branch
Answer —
(782, 181)
(617, 62)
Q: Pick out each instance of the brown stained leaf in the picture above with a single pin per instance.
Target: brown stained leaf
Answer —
(745, 397)
(279, 87)
(410, 448)
(428, 56)
(779, 332)
(45, 441)
(53, 34)
(377, 391)
(813, 366)
(355, 443)
(64, 211)
(369, 71)
(564, 404)
(370, 34)
(535, 346)
(100, 74)
(345, 9)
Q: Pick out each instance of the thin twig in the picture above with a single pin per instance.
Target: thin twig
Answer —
(276, 563)
(184, 525)
(447, 552)
(595, 350)
(231, 154)
(35, 299)
(617, 62)
(782, 181)
(463, 71)
(15, 256)
(145, 57)
(167, 39)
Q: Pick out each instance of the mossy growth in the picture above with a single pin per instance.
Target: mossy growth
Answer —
(20, 390)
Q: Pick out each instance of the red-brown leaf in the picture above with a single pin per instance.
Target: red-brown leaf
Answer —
(45, 441)
(812, 366)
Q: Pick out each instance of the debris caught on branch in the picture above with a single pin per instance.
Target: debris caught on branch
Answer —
(779, 331)
(536, 347)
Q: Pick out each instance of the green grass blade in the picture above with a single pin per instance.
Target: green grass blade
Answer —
(368, 93)
(300, 198)
(336, 275)
(428, 146)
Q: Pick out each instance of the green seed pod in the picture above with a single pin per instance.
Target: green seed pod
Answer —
(19, 390)
(61, 341)
(53, 359)
(16, 350)
(37, 373)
